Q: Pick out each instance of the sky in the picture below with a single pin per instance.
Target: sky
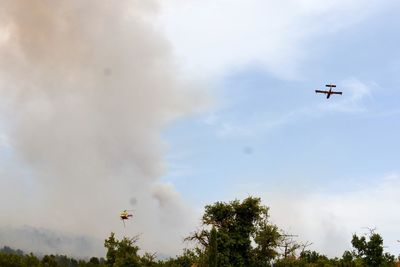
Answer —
(326, 168)
(163, 107)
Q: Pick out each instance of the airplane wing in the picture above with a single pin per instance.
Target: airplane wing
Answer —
(336, 93)
(321, 91)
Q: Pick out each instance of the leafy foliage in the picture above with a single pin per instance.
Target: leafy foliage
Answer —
(241, 234)
(370, 252)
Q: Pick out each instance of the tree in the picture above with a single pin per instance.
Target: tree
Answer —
(188, 258)
(49, 261)
(371, 251)
(148, 260)
(267, 238)
(213, 249)
(236, 225)
(314, 257)
(347, 259)
(94, 261)
(111, 245)
(10, 260)
(31, 260)
(122, 253)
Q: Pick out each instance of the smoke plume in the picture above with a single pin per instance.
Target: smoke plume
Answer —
(86, 87)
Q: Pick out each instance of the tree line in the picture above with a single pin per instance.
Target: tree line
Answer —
(233, 234)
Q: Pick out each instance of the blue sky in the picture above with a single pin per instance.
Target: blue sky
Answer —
(229, 88)
(286, 125)
(268, 134)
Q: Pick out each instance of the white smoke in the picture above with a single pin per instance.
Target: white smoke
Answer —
(86, 87)
(329, 219)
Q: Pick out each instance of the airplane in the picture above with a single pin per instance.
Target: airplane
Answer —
(330, 92)
(125, 216)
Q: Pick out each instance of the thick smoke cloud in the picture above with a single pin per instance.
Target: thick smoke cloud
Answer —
(86, 87)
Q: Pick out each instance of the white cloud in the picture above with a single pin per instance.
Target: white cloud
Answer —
(211, 37)
(329, 219)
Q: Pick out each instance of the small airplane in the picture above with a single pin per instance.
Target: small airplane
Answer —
(330, 92)
(125, 215)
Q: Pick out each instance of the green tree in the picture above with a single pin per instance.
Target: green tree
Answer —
(187, 259)
(267, 239)
(148, 260)
(347, 259)
(10, 260)
(94, 261)
(237, 224)
(370, 250)
(111, 245)
(213, 249)
(121, 253)
(49, 261)
(31, 260)
(313, 258)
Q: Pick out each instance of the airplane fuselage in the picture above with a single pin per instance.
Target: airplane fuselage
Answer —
(328, 95)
